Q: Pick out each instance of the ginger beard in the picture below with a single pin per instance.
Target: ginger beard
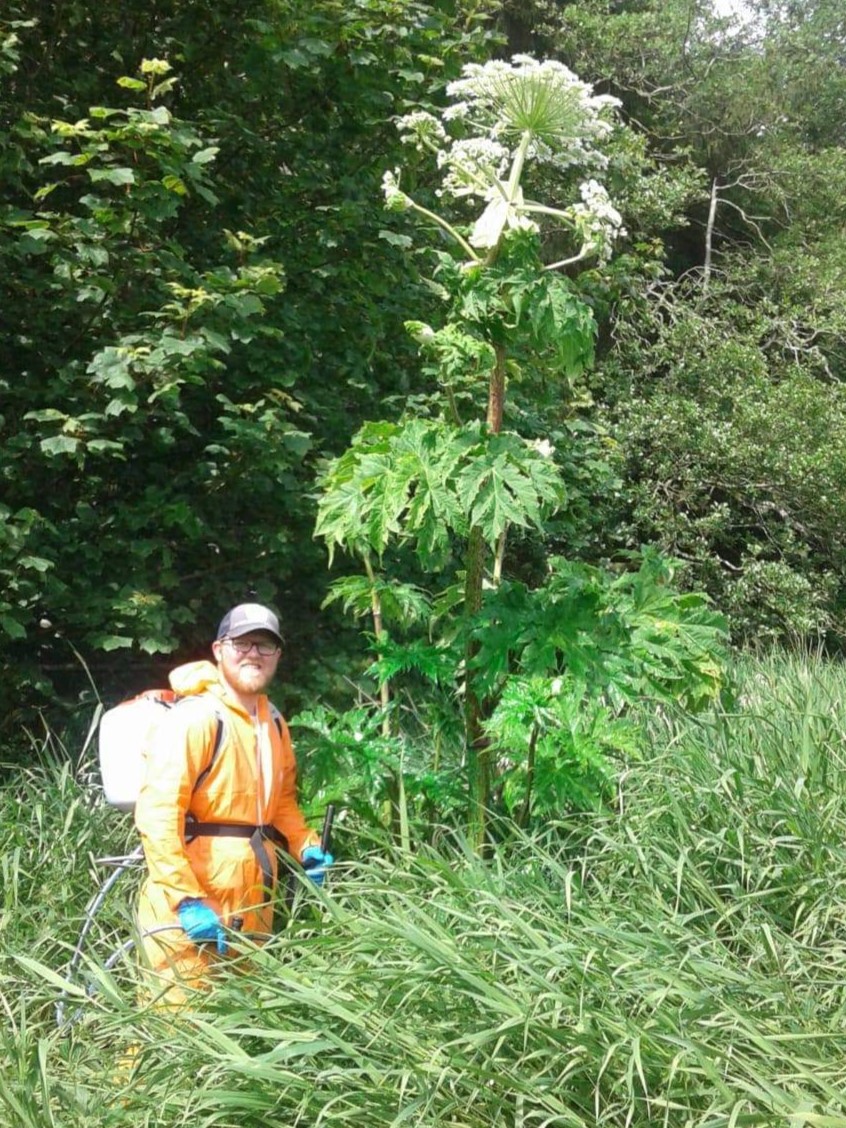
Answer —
(248, 674)
(249, 677)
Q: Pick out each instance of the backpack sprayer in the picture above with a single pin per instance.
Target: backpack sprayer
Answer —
(125, 731)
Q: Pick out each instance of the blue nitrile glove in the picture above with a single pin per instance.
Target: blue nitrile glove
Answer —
(316, 862)
(201, 922)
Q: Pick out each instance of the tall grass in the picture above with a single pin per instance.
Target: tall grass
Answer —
(680, 961)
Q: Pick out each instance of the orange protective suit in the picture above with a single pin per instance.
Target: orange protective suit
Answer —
(250, 779)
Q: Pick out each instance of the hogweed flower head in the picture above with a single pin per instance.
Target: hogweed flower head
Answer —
(543, 447)
(596, 221)
(542, 99)
(510, 114)
(422, 130)
(472, 165)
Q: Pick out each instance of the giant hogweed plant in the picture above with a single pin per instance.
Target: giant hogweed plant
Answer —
(443, 486)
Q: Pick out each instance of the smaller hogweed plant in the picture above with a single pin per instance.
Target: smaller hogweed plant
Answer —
(447, 482)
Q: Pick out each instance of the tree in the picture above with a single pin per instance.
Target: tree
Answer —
(169, 383)
(738, 319)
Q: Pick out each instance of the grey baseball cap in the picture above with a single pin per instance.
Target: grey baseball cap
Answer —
(248, 617)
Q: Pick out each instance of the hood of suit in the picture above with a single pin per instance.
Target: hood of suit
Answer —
(196, 677)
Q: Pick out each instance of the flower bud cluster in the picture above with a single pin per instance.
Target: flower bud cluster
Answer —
(395, 200)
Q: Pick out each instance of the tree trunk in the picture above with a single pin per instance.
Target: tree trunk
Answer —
(709, 235)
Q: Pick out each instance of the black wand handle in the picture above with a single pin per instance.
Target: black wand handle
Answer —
(326, 834)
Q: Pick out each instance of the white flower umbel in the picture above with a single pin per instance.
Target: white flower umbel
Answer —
(597, 224)
(543, 447)
(511, 114)
(472, 165)
(423, 131)
(561, 114)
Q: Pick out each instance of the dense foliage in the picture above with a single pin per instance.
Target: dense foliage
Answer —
(190, 212)
(721, 380)
(203, 297)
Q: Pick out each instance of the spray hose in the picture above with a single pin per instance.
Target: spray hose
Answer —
(123, 864)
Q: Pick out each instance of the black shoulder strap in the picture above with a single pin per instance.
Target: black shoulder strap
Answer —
(218, 744)
(277, 718)
(216, 747)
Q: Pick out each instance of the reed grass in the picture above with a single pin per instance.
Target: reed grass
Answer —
(678, 961)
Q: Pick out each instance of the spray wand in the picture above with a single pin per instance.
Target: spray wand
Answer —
(326, 833)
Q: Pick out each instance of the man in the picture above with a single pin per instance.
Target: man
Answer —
(218, 795)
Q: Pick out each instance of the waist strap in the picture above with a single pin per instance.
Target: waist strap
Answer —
(196, 829)
(256, 835)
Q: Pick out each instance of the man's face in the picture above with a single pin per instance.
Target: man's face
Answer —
(242, 662)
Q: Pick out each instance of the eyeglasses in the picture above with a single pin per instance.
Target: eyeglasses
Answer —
(242, 647)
